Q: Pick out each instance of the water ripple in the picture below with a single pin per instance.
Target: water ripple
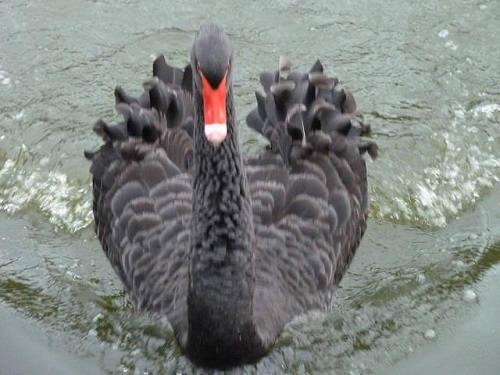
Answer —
(464, 170)
(65, 202)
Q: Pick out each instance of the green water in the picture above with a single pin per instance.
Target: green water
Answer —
(424, 74)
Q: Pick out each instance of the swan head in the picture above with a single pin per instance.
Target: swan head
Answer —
(211, 59)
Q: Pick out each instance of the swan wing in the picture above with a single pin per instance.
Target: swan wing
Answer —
(143, 195)
(309, 192)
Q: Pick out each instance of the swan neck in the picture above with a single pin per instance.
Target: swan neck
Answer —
(221, 270)
(222, 215)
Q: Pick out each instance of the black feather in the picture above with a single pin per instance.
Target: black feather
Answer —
(303, 201)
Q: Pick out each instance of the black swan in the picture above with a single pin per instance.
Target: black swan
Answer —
(230, 249)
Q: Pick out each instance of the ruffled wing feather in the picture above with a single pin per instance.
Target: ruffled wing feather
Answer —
(143, 195)
(309, 190)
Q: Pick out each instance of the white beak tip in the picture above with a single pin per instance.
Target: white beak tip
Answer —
(215, 133)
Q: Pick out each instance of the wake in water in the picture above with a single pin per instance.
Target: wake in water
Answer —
(462, 172)
(465, 167)
(66, 203)
(4, 77)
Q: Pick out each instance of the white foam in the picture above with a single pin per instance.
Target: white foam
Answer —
(487, 110)
(44, 161)
(65, 203)
(98, 317)
(430, 334)
(92, 332)
(469, 295)
(443, 33)
(453, 181)
(73, 275)
(451, 45)
(421, 278)
(4, 77)
(473, 236)
(18, 116)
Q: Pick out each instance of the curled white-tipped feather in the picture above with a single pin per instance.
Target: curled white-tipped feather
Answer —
(150, 83)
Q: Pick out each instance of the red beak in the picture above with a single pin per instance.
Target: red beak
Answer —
(214, 109)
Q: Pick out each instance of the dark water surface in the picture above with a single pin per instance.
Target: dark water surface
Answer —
(424, 288)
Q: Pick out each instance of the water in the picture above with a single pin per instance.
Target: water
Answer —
(424, 74)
